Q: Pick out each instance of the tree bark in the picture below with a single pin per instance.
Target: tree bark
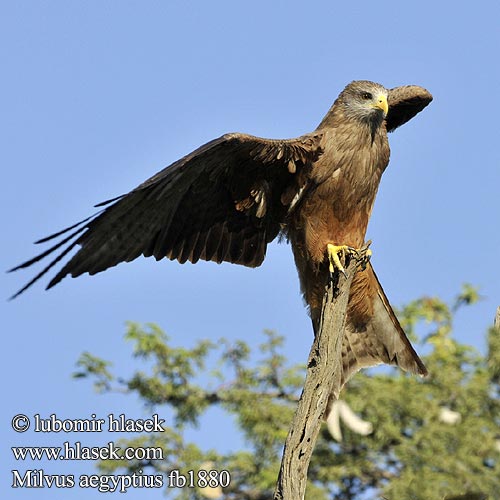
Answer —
(323, 376)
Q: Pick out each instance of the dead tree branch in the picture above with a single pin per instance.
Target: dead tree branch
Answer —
(323, 375)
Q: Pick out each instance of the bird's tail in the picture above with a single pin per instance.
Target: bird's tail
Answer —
(373, 334)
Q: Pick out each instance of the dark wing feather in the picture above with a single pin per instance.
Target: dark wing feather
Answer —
(404, 103)
(222, 202)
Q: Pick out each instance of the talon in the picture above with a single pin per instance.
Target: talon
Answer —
(336, 252)
(333, 252)
(365, 259)
(353, 251)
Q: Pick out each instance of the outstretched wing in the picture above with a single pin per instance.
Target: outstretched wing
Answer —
(404, 103)
(379, 339)
(223, 202)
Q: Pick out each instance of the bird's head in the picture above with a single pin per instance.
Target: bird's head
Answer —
(361, 101)
(365, 101)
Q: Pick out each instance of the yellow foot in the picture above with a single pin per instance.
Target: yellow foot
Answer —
(336, 252)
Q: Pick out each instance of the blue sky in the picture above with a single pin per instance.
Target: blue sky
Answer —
(97, 96)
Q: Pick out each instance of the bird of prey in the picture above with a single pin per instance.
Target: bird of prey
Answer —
(228, 199)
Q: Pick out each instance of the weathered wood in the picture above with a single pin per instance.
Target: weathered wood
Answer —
(323, 375)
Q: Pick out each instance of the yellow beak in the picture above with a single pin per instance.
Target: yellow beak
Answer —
(381, 103)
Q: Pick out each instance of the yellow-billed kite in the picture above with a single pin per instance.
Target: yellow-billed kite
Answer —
(228, 199)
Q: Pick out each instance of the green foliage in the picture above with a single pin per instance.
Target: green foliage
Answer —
(98, 368)
(435, 438)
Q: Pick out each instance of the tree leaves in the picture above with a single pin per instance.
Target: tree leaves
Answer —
(413, 453)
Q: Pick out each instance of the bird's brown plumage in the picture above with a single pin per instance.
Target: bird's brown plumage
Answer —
(228, 199)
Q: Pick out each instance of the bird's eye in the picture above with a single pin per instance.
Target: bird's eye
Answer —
(366, 96)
